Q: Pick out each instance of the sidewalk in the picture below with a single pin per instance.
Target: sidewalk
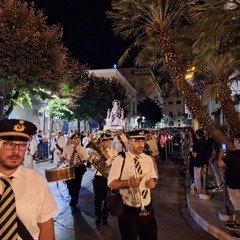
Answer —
(204, 212)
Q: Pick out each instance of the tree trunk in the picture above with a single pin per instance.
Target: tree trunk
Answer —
(9, 2)
(193, 103)
(229, 111)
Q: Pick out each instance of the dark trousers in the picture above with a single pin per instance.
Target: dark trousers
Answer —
(191, 171)
(74, 186)
(100, 190)
(162, 153)
(39, 150)
(132, 225)
(45, 149)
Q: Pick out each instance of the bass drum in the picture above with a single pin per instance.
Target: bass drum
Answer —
(59, 174)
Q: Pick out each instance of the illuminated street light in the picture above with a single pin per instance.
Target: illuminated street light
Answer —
(143, 121)
(190, 74)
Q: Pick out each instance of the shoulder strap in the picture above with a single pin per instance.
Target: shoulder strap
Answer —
(124, 158)
(121, 141)
(22, 231)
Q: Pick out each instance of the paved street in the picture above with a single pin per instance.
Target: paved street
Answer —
(169, 199)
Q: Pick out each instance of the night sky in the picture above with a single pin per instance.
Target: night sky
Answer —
(87, 32)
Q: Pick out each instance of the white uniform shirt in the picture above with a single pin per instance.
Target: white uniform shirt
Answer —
(116, 144)
(80, 156)
(34, 200)
(115, 171)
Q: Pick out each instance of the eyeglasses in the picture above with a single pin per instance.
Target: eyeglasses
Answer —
(10, 145)
(138, 141)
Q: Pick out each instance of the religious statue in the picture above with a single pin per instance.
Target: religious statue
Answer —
(115, 117)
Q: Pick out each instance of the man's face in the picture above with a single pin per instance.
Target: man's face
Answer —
(105, 143)
(76, 141)
(11, 155)
(137, 146)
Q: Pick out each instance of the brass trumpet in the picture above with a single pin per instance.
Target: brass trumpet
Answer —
(136, 194)
(102, 156)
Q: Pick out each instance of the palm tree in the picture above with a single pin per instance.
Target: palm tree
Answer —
(140, 21)
(217, 75)
(217, 53)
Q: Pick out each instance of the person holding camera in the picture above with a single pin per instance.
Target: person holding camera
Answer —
(231, 162)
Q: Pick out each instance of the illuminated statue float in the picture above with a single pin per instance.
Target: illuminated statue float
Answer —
(115, 117)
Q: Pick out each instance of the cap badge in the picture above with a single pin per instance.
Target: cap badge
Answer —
(141, 133)
(19, 127)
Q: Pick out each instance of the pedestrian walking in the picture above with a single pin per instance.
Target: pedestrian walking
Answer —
(31, 154)
(57, 146)
(201, 158)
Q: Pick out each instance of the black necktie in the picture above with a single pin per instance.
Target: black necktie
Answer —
(8, 213)
(139, 171)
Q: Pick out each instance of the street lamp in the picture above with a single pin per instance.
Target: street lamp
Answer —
(44, 117)
(143, 121)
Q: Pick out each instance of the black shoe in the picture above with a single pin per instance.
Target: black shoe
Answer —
(233, 226)
(98, 222)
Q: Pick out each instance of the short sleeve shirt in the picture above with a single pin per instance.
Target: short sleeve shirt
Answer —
(115, 171)
(34, 200)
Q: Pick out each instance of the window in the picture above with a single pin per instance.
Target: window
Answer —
(178, 101)
(170, 102)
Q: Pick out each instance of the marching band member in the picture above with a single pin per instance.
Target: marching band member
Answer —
(27, 204)
(75, 156)
(120, 142)
(100, 182)
(138, 169)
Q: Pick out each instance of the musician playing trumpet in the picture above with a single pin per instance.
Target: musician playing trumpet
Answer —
(75, 156)
(138, 176)
(100, 187)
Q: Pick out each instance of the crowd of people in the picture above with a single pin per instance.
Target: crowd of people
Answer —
(21, 144)
(131, 160)
(202, 156)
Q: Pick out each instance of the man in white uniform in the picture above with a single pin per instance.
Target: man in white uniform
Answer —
(31, 196)
(120, 142)
(100, 187)
(138, 176)
(75, 156)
